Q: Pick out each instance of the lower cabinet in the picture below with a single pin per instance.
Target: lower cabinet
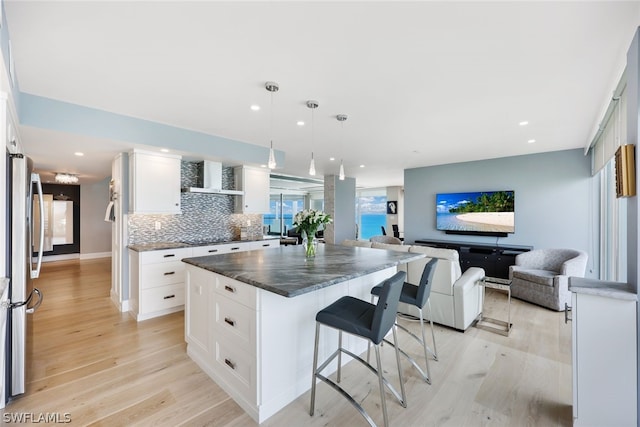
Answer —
(604, 361)
(156, 280)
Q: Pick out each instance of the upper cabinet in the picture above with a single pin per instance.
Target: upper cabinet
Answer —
(154, 183)
(255, 184)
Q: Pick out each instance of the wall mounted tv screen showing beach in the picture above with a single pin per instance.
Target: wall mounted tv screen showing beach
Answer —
(483, 212)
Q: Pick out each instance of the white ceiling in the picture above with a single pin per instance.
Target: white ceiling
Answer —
(423, 83)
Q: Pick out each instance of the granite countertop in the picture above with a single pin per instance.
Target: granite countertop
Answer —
(144, 247)
(617, 290)
(285, 270)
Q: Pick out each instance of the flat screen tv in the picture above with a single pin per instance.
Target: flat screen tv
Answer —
(489, 213)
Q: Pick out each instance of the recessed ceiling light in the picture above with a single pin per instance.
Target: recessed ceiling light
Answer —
(263, 166)
(523, 123)
(300, 123)
(255, 108)
(164, 150)
(332, 158)
(79, 154)
(361, 166)
(531, 141)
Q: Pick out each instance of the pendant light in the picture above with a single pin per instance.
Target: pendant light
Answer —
(312, 166)
(271, 87)
(341, 118)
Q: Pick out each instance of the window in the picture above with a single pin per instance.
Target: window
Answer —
(613, 228)
(282, 209)
(371, 212)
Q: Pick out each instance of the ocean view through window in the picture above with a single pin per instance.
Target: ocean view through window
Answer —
(371, 213)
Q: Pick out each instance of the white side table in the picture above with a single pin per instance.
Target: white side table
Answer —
(490, 324)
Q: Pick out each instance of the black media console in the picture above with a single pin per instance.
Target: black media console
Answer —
(495, 259)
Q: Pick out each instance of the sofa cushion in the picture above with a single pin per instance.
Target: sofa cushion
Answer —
(541, 277)
(390, 247)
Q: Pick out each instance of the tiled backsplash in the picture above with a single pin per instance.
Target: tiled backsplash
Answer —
(205, 217)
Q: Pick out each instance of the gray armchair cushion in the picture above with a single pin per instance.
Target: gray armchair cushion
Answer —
(541, 277)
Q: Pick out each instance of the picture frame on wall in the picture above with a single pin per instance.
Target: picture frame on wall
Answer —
(392, 207)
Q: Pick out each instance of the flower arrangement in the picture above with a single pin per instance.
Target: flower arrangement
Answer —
(307, 223)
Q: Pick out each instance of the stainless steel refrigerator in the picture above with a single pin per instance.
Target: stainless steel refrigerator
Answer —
(23, 265)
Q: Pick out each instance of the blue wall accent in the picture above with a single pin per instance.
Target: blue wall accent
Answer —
(48, 113)
(555, 199)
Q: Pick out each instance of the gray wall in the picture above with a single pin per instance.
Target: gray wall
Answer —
(554, 199)
(95, 232)
(339, 202)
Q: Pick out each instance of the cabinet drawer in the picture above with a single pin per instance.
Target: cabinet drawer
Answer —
(166, 273)
(237, 368)
(235, 319)
(211, 250)
(165, 255)
(161, 298)
(237, 291)
(265, 244)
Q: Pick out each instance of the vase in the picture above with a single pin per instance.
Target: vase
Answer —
(310, 245)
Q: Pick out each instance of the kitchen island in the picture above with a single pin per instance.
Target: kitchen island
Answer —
(250, 316)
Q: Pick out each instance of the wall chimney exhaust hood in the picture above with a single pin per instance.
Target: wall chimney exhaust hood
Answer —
(210, 180)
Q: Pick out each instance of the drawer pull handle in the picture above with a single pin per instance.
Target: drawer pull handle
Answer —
(230, 288)
(230, 321)
(169, 273)
(235, 248)
(230, 364)
(212, 251)
(169, 296)
(169, 255)
(266, 244)
(567, 310)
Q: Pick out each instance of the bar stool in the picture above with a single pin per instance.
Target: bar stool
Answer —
(417, 296)
(366, 320)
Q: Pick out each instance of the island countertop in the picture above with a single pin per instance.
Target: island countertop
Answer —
(285, 270)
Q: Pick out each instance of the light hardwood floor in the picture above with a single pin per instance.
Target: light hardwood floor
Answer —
(102, 368)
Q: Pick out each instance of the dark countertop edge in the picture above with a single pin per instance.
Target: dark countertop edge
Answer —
(310, 288)
(616, 290)
(146, 247)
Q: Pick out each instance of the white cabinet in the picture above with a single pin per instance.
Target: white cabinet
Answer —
(156, 280)
(255, 184)
(604, 360)
(154, 183)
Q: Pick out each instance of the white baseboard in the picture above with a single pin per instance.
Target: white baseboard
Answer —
(123, 306)
(96, 255)
(51, 258)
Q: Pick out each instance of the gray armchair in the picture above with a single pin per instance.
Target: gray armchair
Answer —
(542, 276)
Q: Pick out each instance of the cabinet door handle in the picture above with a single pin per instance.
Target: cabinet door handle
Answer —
(567, 310)
(230, 321)
(169, 296)
(229, 289)
(169, 255)
(235, 248)
(169, 273)
(230, 364)
(212, 251)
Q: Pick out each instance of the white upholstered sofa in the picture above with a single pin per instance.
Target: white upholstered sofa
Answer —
(456, 298)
